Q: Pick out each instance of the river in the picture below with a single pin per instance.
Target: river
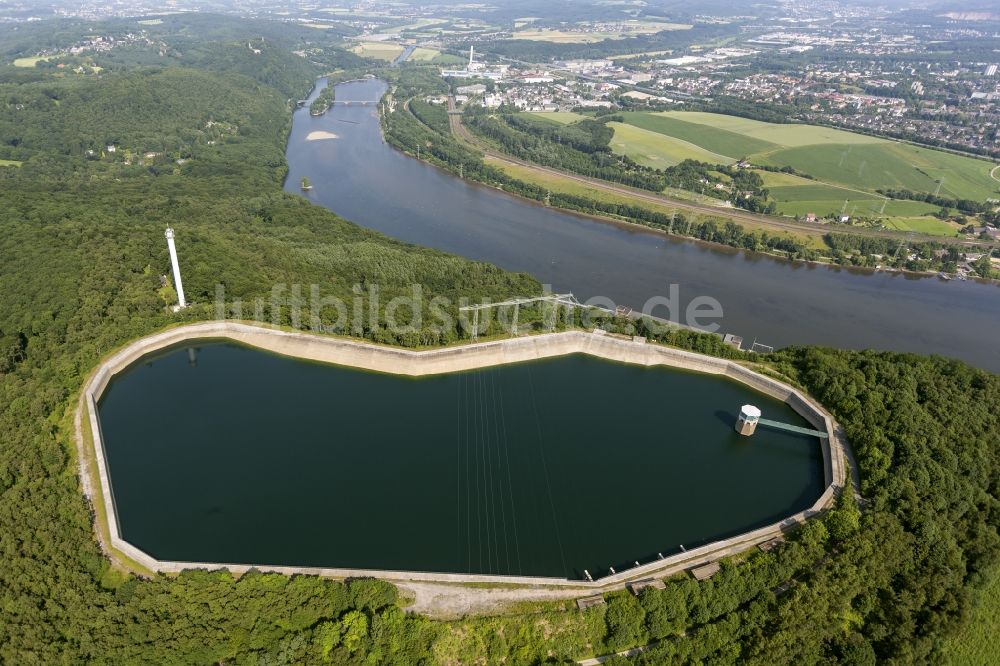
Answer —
(779, 303)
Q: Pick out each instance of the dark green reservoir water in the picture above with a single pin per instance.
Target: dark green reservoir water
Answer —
(544, 468)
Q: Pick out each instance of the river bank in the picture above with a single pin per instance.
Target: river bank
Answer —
(775, 301)
(633, 225)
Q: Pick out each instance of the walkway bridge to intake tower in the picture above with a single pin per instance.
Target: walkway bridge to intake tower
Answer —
(791, 428)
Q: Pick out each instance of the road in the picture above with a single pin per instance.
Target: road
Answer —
(765, 221)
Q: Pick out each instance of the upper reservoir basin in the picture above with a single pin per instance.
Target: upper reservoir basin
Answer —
(776, 302)
(228, 454)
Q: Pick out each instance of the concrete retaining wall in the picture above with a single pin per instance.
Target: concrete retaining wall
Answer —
(451, 359)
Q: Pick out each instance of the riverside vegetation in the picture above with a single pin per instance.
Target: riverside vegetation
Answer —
(323, 101)
(583, 147)
(81, 257)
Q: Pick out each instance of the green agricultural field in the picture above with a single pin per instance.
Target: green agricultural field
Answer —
(834, 157)
(890, 164)
(713, 139)
(380, 50)
(659, 150)
(795, 195)
(923, 225)
(781, 179)
(787, 135)
(561, 117)
(423, 54)
(817, 192)
(857, 206)
(449, 60)
(9, 163)
(789, 187)
(30, 62)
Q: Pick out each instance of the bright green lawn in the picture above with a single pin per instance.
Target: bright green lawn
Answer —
(658, 150)
(10, 163)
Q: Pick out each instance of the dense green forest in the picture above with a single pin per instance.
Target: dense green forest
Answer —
(583, 147)
(81, 260)
(324, 100)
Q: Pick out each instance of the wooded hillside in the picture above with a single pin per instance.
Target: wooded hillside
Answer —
(81, 255)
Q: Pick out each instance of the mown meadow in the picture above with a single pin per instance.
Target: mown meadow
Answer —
(844, 170)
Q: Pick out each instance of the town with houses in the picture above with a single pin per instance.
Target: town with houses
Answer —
(883, 79)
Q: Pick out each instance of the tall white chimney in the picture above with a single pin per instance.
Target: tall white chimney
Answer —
(181, 303)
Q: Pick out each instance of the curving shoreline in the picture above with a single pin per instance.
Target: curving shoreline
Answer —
(847, 306)
(340, 351)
